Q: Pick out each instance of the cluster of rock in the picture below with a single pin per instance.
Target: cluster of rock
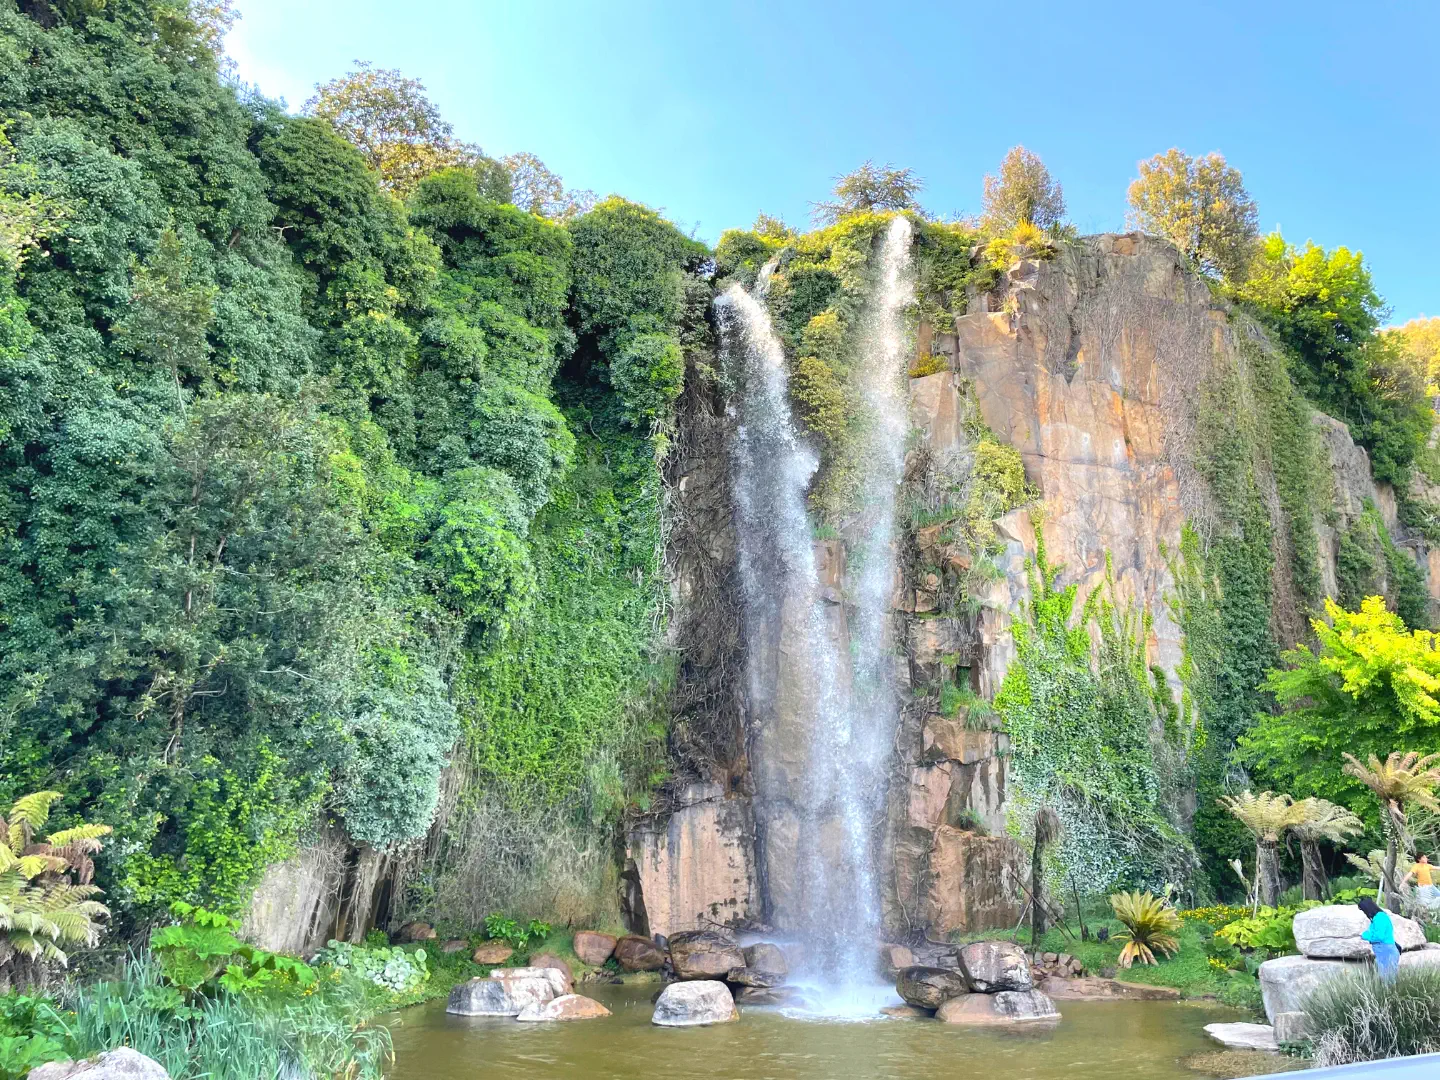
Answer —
(710, 972)
(1330, 945)
(992, 984)
(121, 1063)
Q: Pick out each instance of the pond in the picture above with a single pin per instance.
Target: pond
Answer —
(1101, 1040)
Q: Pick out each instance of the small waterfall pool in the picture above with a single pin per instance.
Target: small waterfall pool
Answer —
(1099, 1040)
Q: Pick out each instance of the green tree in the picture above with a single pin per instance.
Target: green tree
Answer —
(1370, 685)
(870, 189)
(536, 189)
(1201, 206)
(170, 315)
(1023, 193)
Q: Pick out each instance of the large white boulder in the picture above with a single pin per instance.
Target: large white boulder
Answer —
(508, 992)
(1287, 981)
(121, 1063)
(690, 1004)
(1333, 932)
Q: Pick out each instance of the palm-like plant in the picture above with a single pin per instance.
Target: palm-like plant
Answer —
(45, 890)
(1150, 926)
(1401, 780)
(1267, 816)
(1323, 820)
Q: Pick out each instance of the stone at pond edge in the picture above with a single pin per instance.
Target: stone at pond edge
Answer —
(1003, 1007)
(121, 1063)
(1291, 1027)
(1094, 988)
(704, 954)
(766, 957)
(492, 952)
(1243, 1036)
(503, 997)
(594, 948)
(565, 1007)
(635, 953)
(1332, 932)
(550, 960)
(792, 996)
(907, 1012)
(929, 987)
(690, 1004)
(1287, 981)
(991, 966)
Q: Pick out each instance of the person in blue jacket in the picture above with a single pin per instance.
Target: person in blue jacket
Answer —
(1381, 935)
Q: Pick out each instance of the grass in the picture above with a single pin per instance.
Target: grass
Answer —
(1188, 971)
(1230, 1064)
(1362, 1018)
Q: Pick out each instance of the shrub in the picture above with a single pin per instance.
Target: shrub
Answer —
(506, 929)
(391, 969)
(201, 955)
(32, 1032)
(1360, 1017)
(1150, 924)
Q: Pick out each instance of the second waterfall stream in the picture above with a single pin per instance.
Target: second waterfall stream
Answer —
(820, 655)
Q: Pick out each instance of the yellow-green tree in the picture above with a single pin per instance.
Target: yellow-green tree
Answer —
(1419, 343)
(1201, 206)
(45, 890)
(1022, 193)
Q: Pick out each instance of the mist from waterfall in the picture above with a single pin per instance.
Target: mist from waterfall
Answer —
(835, 661)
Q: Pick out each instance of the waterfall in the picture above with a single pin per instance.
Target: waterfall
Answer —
(820, 683)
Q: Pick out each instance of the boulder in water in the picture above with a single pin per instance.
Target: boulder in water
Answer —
(1287, 981)
(704, 954)
(121, 1063)
(766, 957)
(907, 1012)
(503, 996)
(1002, 1007)
(635, 953)
(594, 948)
(929, 987)
(1243, 1036)
(992, 966)
(756, 977)
(691, 1004)
(792, 996)
(554, 963)
(564, 1007)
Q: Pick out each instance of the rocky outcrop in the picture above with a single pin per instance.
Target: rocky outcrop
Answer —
(929, 987)
(507, 992)
(973, 881)
(694, 1004)
(764, 956)
(593, 948)
(1287, 981)
(697, 868)
(635, 953)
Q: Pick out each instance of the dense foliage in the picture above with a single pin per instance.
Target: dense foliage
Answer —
(302, 483)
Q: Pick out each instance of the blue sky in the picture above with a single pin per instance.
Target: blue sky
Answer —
(714, 111)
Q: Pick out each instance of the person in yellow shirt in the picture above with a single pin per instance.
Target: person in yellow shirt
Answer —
(1424, 875)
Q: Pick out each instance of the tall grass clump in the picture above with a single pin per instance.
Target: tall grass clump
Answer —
(1362, 1018)
(311, 1036)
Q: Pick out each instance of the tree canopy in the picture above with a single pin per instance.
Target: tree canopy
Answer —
(1201, 206)
(1022, 193)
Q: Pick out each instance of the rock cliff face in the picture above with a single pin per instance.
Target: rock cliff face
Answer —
(1087, 364)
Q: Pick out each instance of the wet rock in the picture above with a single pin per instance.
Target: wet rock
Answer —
(415, 931)
(634, 953)
(704, 954)
(766, 957)
(691, 1004)
(550, 960)
(1287, 981)
(1004, 1007)
(565, 1007)
(122, 1063)
(790, 996)
(594, 948)
(492, 952)
(895, 958)
(929, 987)
(907, 1012)
(757, 977)
(992, 966)
(1243, 1036)
(1333, 932)
(507, 996)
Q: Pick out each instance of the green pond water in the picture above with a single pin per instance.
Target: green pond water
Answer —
(1112, 1040)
